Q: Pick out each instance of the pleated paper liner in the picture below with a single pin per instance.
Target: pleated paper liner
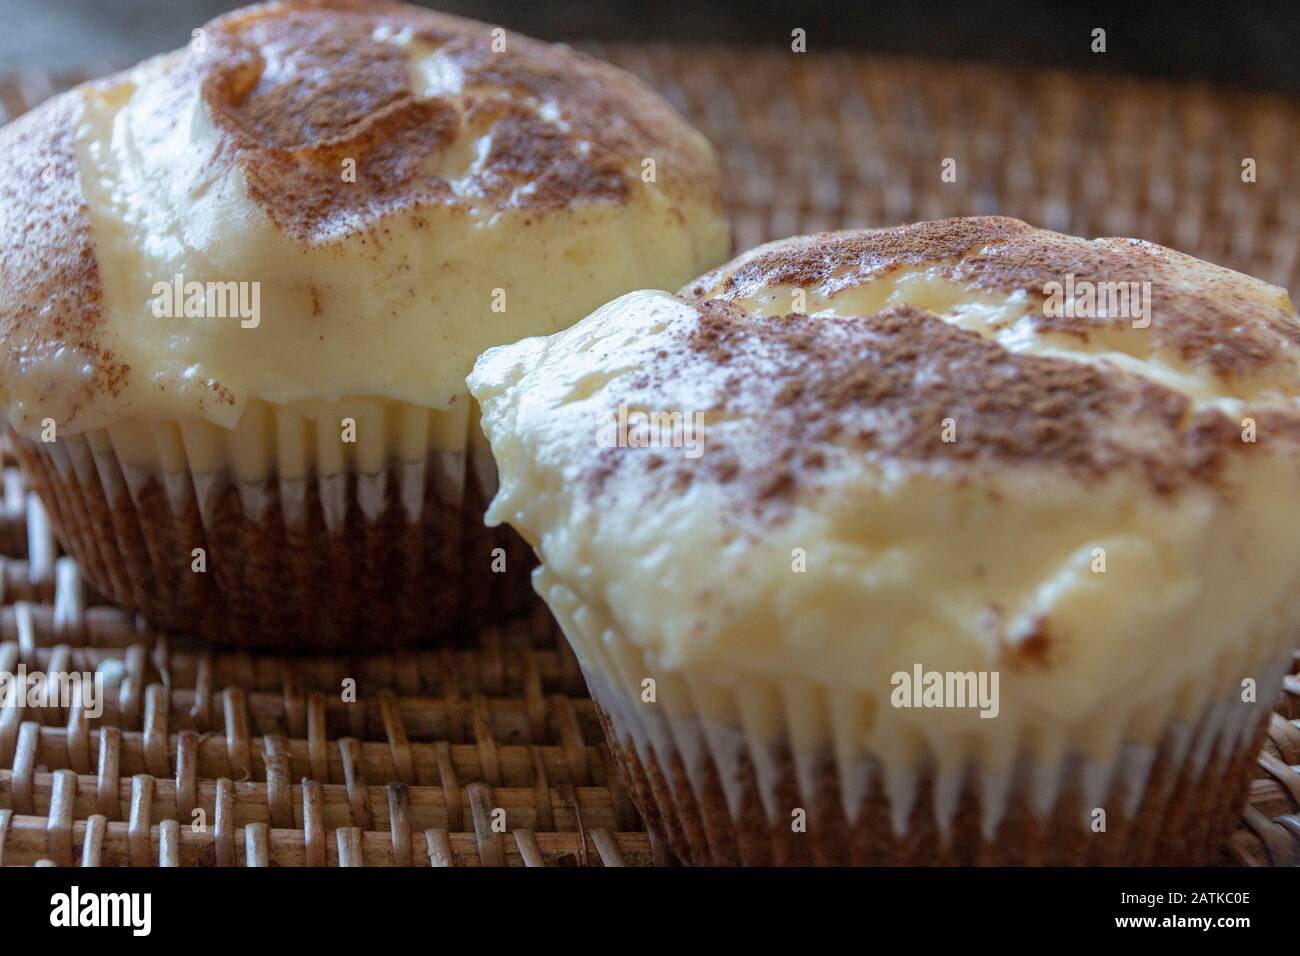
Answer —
(323, 560)
(285, 772)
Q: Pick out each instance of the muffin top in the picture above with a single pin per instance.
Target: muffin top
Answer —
(970, 444)
(324, 199)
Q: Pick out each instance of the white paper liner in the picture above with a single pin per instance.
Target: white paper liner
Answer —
(295, 561)
(204, 490)
(1040, 775)
(1117, 784)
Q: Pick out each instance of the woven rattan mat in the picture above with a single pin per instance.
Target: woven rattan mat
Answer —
(205, 757)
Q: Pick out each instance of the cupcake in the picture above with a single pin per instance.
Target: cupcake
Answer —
(244, 282)
(963, 542)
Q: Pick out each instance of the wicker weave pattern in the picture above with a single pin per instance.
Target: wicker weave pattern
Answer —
(265, 755)
(285, 773)
(835, 141)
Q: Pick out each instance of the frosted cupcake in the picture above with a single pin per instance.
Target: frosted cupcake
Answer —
(243, 284)
(963, 542)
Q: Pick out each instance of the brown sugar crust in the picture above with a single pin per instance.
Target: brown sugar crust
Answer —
(1207, 315)
(801, 390)
(49, 279)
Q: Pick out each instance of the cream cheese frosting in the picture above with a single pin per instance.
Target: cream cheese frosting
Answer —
(927, 466)
(401, 188)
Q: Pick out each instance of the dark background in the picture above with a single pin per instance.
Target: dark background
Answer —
(1251, 46)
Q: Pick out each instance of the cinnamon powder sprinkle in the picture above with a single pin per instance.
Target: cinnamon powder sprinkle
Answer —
(1033, 649)
(899, 374)
(50, 292)
(1207, 315)
(801, 391)
(295, 88)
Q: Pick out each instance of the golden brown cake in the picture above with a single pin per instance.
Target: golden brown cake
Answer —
(960, 542)
(243, 284)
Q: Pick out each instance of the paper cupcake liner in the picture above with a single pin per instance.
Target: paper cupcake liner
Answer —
(349, 560)
(716, 797)
(766, 771)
